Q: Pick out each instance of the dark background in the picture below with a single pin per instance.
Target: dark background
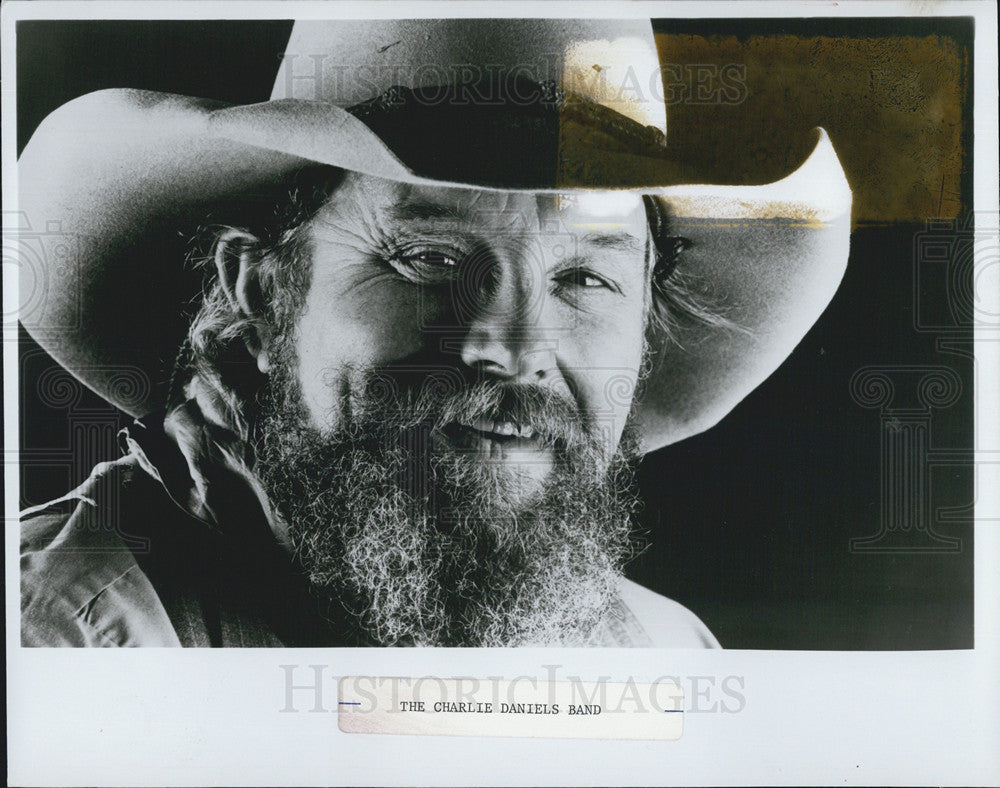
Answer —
(750, 524)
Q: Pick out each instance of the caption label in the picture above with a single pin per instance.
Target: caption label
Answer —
(528, 707)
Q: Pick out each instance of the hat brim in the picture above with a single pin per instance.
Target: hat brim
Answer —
(110, 182)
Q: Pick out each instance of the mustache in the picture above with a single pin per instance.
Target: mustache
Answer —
(434, 399)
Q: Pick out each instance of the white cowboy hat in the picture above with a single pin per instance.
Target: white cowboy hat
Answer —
(120, 177)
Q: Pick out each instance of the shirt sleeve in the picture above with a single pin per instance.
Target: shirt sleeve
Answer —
(80, 583)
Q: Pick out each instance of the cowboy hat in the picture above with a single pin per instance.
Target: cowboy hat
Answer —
(119, 178)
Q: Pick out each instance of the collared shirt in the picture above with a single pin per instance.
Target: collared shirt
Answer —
(139, 555)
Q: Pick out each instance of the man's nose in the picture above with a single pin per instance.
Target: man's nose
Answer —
(502, 309)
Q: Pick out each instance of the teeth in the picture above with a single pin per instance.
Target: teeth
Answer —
(482, 425)
(505, 428)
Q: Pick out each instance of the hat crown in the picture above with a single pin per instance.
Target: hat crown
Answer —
(345, 62)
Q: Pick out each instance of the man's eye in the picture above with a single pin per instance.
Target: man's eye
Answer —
(432, 259)
(589, 280)
(428, 266)
(579, 277)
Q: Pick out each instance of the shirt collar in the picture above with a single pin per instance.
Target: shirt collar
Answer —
(203, 467)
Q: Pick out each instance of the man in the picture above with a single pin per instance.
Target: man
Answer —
(447, 311)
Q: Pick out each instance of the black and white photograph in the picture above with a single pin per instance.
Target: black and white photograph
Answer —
(624, 344)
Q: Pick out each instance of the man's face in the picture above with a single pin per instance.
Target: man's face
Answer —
(444, 424)
(544, 291)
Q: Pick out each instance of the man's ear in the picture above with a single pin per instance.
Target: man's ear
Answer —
(237, 261)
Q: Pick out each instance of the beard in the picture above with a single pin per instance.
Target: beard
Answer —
(425, 544)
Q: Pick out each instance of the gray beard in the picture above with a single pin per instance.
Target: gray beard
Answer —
(429, 547)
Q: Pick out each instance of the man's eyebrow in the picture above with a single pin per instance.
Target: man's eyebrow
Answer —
(423, 211)
(621, 241)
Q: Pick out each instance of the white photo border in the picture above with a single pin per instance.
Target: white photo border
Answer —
(195, 717)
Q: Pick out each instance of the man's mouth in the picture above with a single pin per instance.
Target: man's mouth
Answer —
(497, 430)
(519, 449)
(493, 438)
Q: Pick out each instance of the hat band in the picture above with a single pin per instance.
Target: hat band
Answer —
(506, 132)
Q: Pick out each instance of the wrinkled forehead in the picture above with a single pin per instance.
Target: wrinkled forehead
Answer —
(392, 204)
